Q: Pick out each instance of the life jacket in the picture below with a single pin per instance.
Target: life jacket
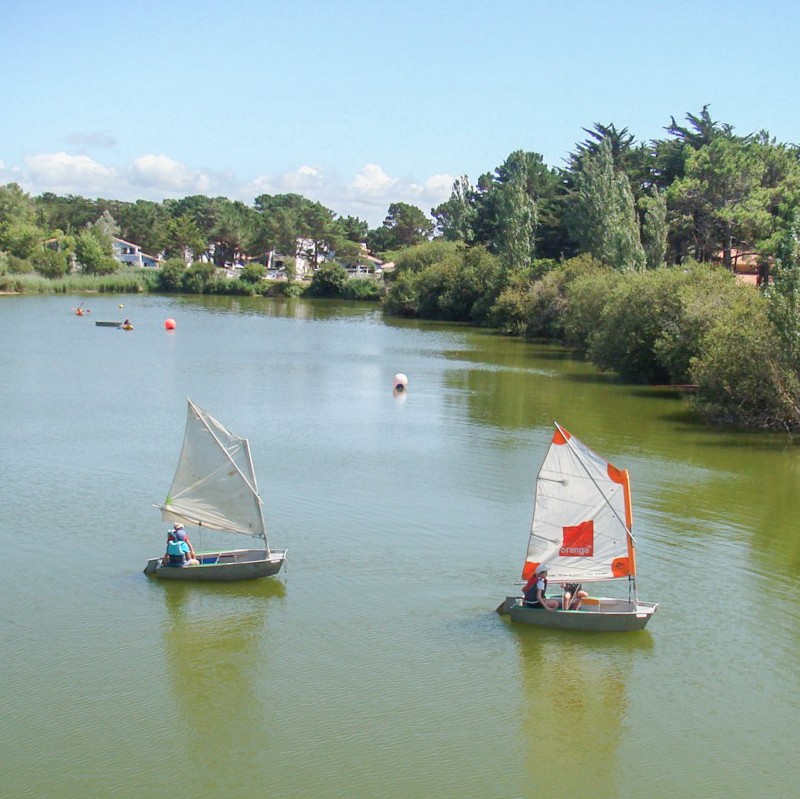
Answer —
(175, 548)
(530, 588)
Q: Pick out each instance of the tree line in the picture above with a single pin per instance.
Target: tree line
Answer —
(611, 253)
(701, 192)
(615, 255)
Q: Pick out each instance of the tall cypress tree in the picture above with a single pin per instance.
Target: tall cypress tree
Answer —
(602, 217)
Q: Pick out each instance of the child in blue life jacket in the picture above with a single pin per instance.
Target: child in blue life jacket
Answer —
(179, 550)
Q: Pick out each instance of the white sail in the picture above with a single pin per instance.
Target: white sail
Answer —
(215, 483)
(582, 517)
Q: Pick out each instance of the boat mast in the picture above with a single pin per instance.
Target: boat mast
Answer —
(258, 497)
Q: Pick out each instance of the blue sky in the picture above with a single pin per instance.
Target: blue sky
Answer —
(360, 104)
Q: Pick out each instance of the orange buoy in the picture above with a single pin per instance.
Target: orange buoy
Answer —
(169, 324)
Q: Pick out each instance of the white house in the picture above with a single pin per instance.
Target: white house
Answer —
(128, 253)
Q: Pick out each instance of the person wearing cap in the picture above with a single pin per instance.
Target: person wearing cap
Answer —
(171, 537)
(534, 591)
(179, 551)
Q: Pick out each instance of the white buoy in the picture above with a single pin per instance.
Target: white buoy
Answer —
(400, 383)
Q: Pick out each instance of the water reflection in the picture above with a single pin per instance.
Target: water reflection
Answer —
(215, 665)
(574, 703)
(307, 309)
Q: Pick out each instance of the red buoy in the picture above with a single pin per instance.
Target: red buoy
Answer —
(169, 324)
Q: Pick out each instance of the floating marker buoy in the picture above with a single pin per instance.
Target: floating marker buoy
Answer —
(399, 382)
(169, 324)
(121, 305)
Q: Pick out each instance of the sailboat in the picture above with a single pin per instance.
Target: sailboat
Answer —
(215, 487)
(581, 531)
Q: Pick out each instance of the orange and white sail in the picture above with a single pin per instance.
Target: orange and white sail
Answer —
(582, 516)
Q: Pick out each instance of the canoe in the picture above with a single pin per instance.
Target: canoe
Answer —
(108, 324)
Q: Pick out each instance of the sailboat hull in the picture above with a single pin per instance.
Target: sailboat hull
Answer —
(227, 566)
(599, 614)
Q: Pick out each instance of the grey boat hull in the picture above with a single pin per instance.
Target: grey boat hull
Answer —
(227, 566)
(598, 614)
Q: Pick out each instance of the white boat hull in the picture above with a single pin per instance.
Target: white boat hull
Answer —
(222, 567)
(598, 614)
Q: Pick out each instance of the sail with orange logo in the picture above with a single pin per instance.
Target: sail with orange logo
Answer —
(580, 534)
(582, 516)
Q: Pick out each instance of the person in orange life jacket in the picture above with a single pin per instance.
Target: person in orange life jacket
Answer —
(534, 591)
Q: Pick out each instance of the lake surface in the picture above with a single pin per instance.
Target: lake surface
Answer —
(376, 665)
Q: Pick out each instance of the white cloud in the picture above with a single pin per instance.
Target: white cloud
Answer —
(372, 179)
(62, 172)
(9, 175)
(366, 194)
(161, 172)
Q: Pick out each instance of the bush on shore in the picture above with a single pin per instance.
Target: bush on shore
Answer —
(741, 376)
(449, 283)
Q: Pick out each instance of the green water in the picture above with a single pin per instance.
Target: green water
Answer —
(375, 666)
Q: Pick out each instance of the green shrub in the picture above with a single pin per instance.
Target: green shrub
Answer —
(478, 278)
(94, 253)
(22, 239)
(51, 263)
(292, 288)
(432, 283)
(199, 274)
(363, 288)
(585, 298)
(740, 374)
(537, 309)
(253, 273)
(449, 282)
(171, 274)
(511, 310)
(328, 281)
(17, 265)
(640, 307)
(402, 297)
(420, 256)
(703, 292)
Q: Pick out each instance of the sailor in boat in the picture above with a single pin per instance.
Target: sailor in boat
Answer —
(179, 550)
(171, 535)
(534, 591)
(573, 596)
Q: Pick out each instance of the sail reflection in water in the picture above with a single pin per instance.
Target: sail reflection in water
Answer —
(215, 667)
(574, 703)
